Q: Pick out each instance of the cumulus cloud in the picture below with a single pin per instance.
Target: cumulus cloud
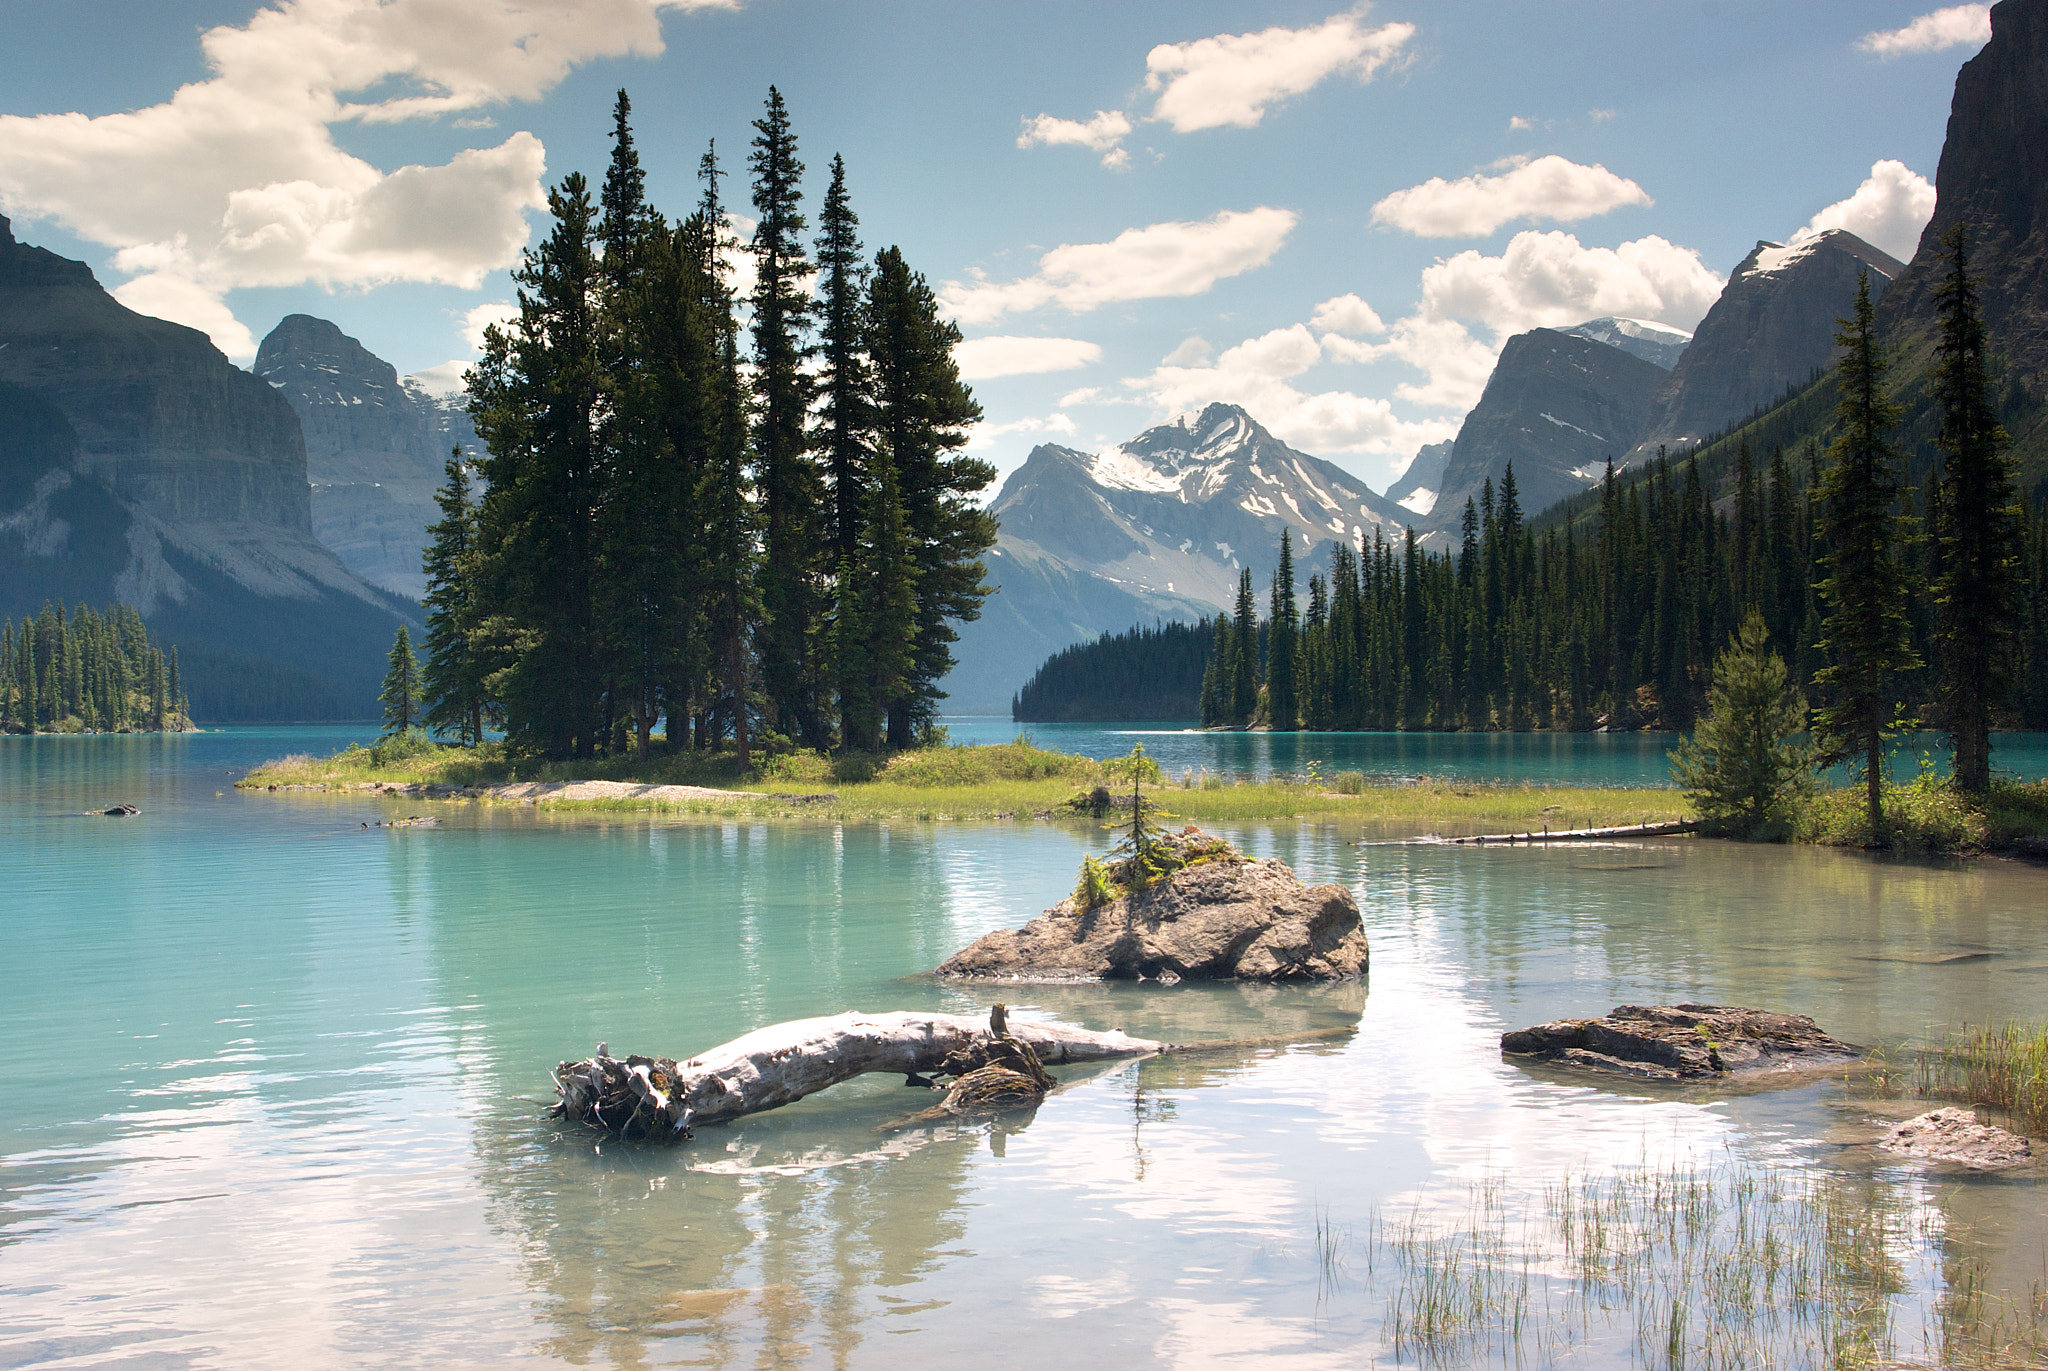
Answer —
(1954, 27)
(1472, 303)
(480, 317)
(983, 359)
(237, 180)
(1177, 258)
(1261, 374)
(1888, 210)
(1346, 314)
(1231, 79)
(1551, 188)
(1104, 134)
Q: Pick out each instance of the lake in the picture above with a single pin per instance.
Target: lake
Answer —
(274, 1082)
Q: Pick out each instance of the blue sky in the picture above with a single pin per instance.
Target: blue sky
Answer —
(1333, 216)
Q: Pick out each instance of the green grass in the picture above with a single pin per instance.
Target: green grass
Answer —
(2005, 1068)
(1005, 780)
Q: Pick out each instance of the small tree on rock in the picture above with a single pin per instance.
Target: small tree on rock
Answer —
(1739, 768)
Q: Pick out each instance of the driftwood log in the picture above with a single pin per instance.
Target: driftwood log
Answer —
(997, 1063)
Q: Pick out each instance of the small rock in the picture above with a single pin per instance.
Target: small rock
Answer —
(1954, 1135)
(1682, 1042)
(121, 812)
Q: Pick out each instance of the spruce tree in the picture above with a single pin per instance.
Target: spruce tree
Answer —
(1976, 526)
(921, 415)
(537, 399)
(1244, 655)
(1218, 675)
(1741, 767)
(796, 547)
(452, 681)
(1866, 629)
(404, 705)
(1281, 711)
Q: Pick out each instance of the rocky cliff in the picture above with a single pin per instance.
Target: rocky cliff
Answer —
(138, 464)
(375, 448)
(1557, 406)
(1993, 176)
(1773, 328)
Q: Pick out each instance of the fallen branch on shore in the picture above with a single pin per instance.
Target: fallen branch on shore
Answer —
(1568, 835)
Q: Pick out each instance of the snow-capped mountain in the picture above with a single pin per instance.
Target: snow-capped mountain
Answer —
(1159, 527)
(1644, 338)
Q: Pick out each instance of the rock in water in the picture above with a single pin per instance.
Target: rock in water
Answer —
(1682, 1042)
(1954, 1135)
(1230, 919)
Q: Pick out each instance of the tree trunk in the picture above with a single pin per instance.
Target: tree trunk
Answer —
(784, 1062)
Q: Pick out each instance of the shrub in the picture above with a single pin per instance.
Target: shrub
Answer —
(403, 747)
(1348, 782)
(1094, 889)
(1739, 773)
(1134, 766)
(1925, 814)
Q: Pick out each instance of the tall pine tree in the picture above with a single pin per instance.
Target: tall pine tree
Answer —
(1976, 526)
(1867, 635)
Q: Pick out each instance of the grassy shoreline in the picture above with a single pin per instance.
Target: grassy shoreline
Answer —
(1020, 781)
(999, 781)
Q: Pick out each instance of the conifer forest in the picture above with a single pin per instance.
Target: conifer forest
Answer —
(736, 510)
(1892, 606)
(88, 671)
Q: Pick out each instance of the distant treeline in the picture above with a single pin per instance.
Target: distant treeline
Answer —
(1141, 673)
(87, 672)
(1613, 626)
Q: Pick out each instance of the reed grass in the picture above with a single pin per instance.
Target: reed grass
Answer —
(2005, 1068)
(1719, 1267)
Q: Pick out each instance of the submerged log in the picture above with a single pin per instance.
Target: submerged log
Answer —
(660, 1097)
(1579, 835)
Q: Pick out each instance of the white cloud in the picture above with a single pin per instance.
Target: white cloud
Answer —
(480, 317)
(983, 359)
(1542, 280)
(1193, 350)
(1547, 279)
(1260, 374)
(985, 435)
(1954, 27)
(1230, 79)
(166, 296)
(1161, 260)
(237, 180)
(1346, 314)
(1888, 210)
(1550, 188)
(443, 380)
(1519, 124)
(1104, 134)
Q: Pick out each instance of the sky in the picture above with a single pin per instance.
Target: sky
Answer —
(1332, 216)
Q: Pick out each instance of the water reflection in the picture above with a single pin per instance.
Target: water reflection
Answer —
(275, 1080)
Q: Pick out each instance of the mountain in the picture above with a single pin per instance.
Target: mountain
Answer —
(1644, 338)
(375, 447)
(1993, 175)
(1558, 405)
(1772, 329)
(138, 464)
(1158, 528)
(1415, 488)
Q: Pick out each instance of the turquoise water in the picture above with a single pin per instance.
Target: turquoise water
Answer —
(273, 1080)
(1627, 759)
